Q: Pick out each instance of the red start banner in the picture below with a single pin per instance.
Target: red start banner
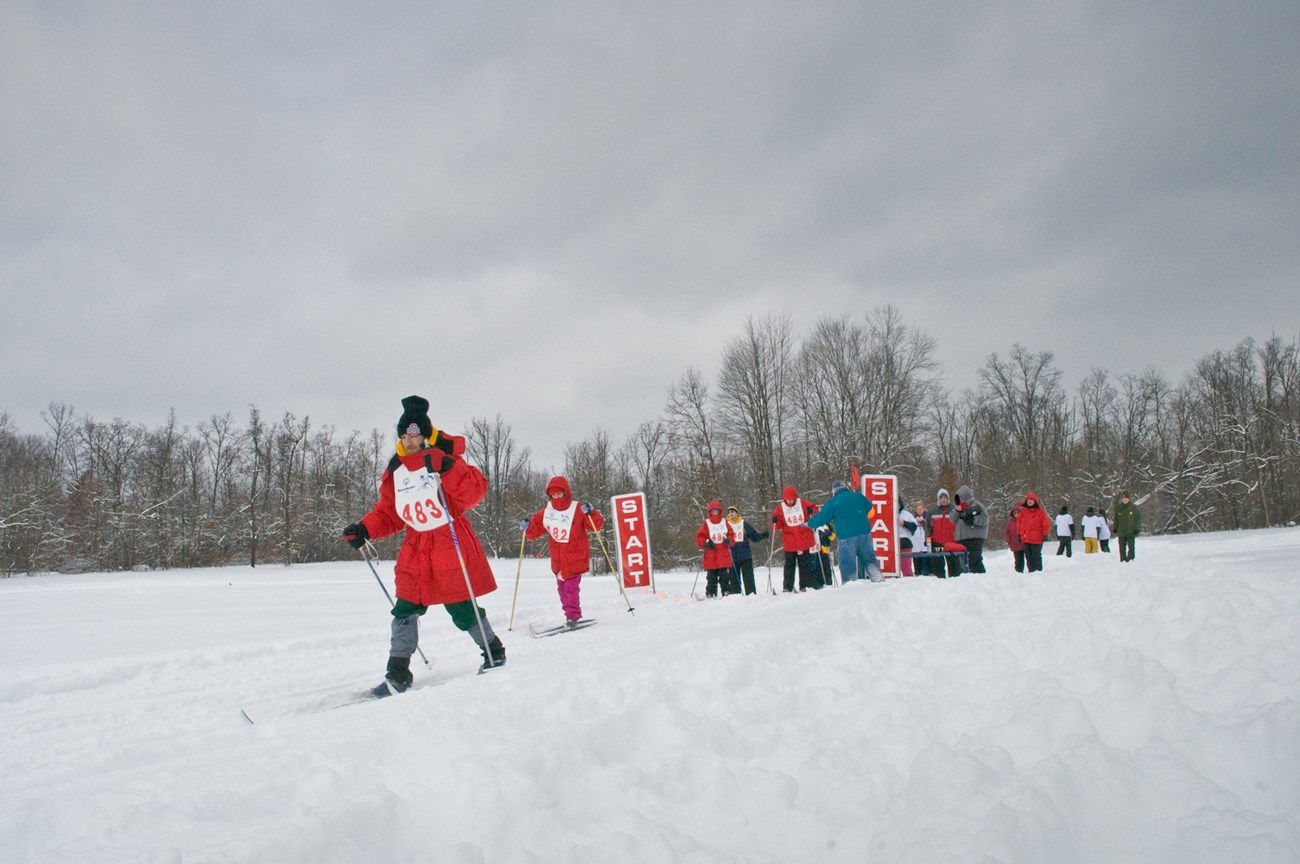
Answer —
(882, 491)
(632, 535)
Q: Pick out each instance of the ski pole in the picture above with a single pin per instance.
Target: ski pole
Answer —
(365, 553)
(697, 577)
(617, 575)
(771, 549)
(464, 571)
(518, 573)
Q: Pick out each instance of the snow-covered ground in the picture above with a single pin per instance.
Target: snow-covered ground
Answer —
(1092, 713)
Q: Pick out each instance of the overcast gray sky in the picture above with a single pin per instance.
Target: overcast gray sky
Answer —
(551, 210)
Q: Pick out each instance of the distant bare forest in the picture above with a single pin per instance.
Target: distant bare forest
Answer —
(1217, 449)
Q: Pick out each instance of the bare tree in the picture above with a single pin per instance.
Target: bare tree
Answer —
(491, 445)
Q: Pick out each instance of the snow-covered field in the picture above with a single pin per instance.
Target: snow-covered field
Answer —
(1092, 713)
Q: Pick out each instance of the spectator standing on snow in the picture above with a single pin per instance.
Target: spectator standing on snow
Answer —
(1065, 532)
(1128, 524)
(742, 534)
(1104, 536)
(911, 538)
(921, 541)
(1091, 528)
(971, 522)
(426, 490)
(1012, 532)
(714, 537)
(850, 513)
(943, 535)
(791, 518)
(565, 522)
(1033, 526)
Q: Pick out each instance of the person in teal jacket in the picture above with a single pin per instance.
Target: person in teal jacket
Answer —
(850, 512)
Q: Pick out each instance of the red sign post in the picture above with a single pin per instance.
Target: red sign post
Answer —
(882, 491)
(632, 536)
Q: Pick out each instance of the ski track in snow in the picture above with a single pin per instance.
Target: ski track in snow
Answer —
(1091, 713)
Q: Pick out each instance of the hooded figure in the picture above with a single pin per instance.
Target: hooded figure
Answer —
(715, 538)
(971, 527)
(565, 523)
(1033, 525)
(426, 491)
(791, 518)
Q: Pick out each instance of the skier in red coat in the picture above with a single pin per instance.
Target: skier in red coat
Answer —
(797, 540)
(715, 538)
(1033, 525)
(565, 522)
(426, 489)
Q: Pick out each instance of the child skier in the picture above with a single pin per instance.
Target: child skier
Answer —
(791, 518)
(565, 522)
(714, 537)
(742, 534)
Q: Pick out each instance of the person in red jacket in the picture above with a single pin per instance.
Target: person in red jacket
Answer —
(1013, 539)
(425, 490)
(565, 522)
(715, 538)
(1033, 525)
(791, 518)
(943, 536)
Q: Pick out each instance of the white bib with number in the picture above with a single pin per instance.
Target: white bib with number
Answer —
(717, 531)
(559, 523)
(793, 513)
(416, 496)
(737, 531)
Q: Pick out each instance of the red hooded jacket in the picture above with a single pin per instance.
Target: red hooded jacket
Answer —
(1032, 523)
(796, 536)
(567, 534)
(1011, 532)
(719, 557)
(428, 570)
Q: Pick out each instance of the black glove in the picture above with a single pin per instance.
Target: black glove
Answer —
(586, 508)
(762, 535)
(776, 521)
(442, 442)
(968, 517)
(708, 544)
(356, 535)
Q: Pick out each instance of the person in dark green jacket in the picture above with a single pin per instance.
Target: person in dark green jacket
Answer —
(1128, 524)
(850, 514)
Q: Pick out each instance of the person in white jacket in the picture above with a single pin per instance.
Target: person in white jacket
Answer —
(1091, 525)
(911, 536)
(1065, 533)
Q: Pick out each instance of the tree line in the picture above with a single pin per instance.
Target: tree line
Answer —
(1218, 449)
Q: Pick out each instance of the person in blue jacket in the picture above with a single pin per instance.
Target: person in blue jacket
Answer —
(742, 534)
(850, 512)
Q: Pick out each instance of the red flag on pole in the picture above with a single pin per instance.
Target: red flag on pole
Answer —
(854, 475)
